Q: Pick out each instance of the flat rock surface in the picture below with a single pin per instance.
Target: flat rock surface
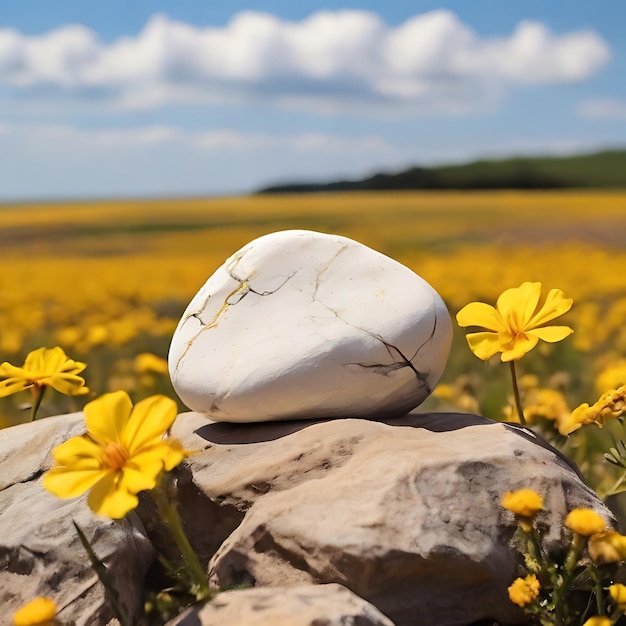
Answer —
(299, 324)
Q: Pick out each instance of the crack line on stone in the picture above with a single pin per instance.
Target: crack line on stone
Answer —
(242, 291)
(34, 476)
(385, 368)
(325, 269)
(431, 336)
(243, 287)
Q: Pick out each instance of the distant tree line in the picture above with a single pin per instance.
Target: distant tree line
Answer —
(599, 170)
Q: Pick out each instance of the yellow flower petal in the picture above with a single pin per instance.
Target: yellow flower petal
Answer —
(68, 384)
(551, 333)
(556, 304)
(106, 498)
(141, 479)
(38, 611)
(150, 419)
(107, 415)
(517, 305)
(484, 345)
(480, 314)
(68, 482)
(81, 447)
(521, 345)
(13, 385)
(35, 360)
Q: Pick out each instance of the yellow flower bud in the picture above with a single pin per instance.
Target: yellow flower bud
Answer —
(38, 612)
(523, 502)
(607, 547)
(585, 522)
(618, 595)
(524, 591)
(598, 621)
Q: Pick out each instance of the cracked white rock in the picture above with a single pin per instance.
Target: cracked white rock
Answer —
(300, 324)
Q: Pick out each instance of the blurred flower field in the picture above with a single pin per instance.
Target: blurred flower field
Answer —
(108, 282)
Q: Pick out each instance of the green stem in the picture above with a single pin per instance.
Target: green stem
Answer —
(518, 400)
(103, 575)
(38, 392)
(598, 591)
(612, 490)
(576, 549)
(169, 514)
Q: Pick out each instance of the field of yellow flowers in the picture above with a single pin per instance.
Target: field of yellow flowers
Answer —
(108, 282)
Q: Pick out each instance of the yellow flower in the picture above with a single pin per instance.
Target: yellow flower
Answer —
(517, 322)
(612, 376)
(598, 621)
(122, 453)
(585, 522)
(44, 368)
(524, 503)
(524, 591)
(38, 612)
(607, 547)
(618, 595)
(147, 362)
(545, 403)
(611, 405)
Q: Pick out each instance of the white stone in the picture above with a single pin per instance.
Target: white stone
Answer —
(300, 324)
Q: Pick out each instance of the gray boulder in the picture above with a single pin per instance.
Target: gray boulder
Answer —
(405, 513)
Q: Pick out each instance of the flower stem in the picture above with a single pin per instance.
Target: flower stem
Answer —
(38, 392)
(169, 514)
(518, 400)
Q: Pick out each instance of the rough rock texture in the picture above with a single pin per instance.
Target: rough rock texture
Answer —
(406, 513)
(40, 553)
(299, 324)
(403, 512)
(307, 605)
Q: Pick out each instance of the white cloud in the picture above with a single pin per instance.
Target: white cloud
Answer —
(431, 62)
(603, 109)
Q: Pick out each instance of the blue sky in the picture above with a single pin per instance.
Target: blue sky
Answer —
(203, 98)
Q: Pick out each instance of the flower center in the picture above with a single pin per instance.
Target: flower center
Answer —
(114, 456)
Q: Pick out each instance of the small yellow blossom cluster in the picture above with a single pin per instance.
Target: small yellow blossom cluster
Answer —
(542, 403)
(585, 522)
(618, 596)
(460, 394)
(611, 405)
(524, 591)
(543, 594)
(612, 375)
(524, 503)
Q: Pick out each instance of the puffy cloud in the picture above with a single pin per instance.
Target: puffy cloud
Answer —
(431, 62)
(608, 109)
